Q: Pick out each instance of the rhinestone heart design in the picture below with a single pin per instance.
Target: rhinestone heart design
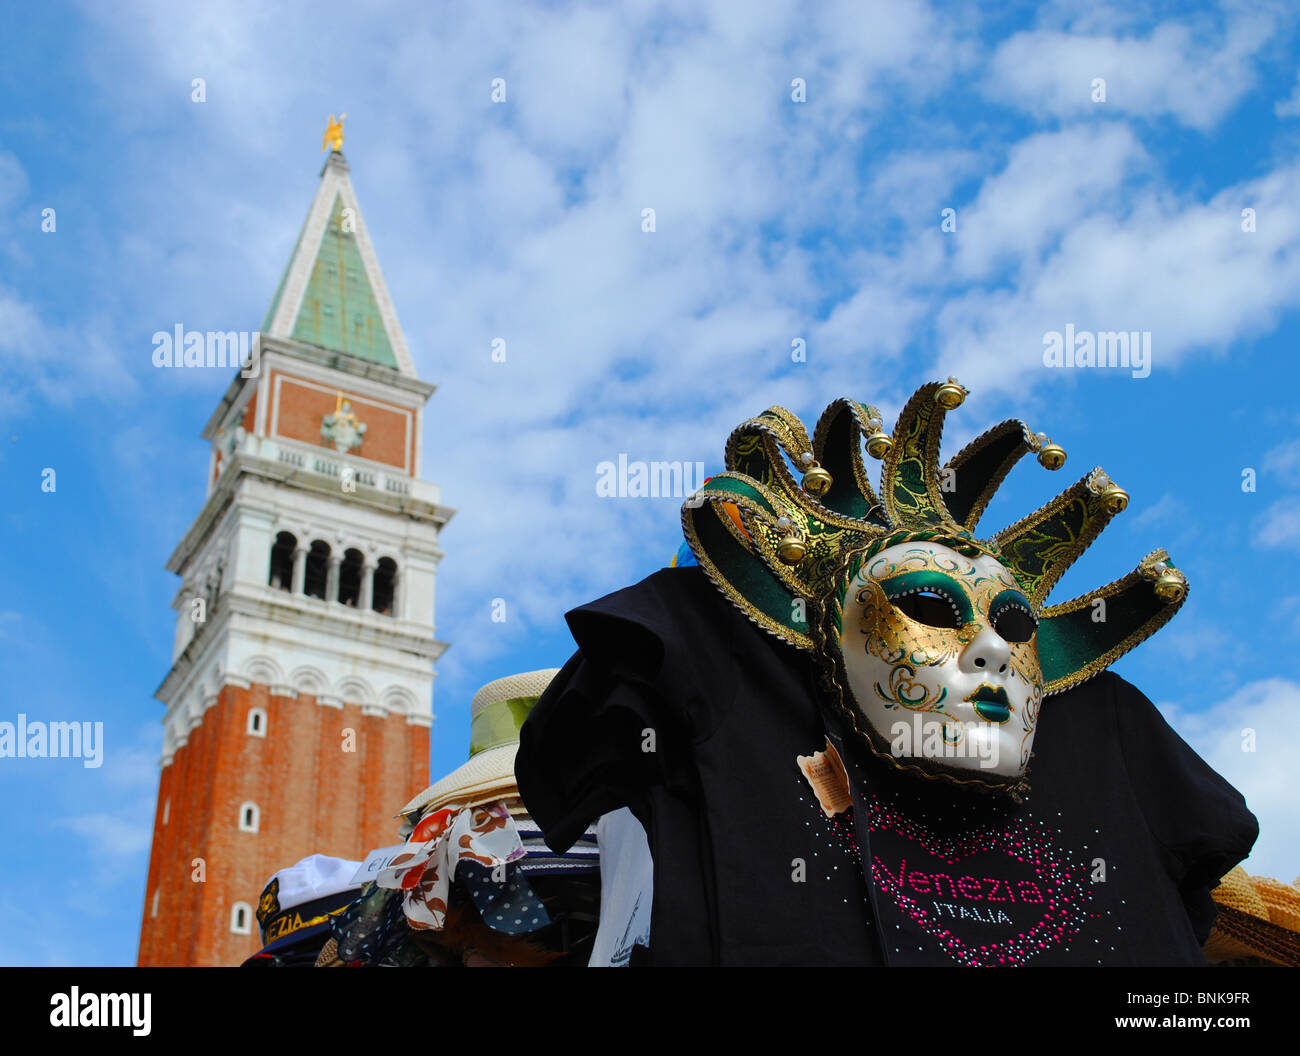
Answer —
(1052, 880)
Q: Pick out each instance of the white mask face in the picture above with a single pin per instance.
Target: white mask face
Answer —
(942, 658)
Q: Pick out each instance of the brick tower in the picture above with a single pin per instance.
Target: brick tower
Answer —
(298, 704)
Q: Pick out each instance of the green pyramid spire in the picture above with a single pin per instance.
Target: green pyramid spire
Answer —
(332, 293)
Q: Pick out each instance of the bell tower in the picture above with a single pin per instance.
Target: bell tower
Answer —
(298, 704)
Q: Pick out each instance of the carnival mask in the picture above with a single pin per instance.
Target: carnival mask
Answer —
(941, 660)
(916, 624)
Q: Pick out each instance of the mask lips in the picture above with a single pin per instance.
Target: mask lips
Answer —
(991, 703)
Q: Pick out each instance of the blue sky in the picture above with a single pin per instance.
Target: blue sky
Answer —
(776, 220)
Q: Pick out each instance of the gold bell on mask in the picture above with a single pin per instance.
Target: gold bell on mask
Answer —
(1170, 586)
(1050, 455)
(791, 548)
(817, 481)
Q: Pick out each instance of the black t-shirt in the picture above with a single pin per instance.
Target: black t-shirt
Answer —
(679, 707)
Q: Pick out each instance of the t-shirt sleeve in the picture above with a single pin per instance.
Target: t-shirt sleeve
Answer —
(1199, 821)
(646, 681)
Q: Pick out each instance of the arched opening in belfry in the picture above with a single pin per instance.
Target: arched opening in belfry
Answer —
(281, 577)
(385, 586)
(318, 566)
(350, 577)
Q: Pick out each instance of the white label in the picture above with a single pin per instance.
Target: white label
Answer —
(377, 860)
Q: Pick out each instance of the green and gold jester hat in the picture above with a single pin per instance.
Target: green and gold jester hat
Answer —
(936, 647)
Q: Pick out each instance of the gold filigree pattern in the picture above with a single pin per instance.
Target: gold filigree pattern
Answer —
(895, 639)
(911, 492)
(907, 691)
(1026, 665)
(1042, 546)
(1029, 720)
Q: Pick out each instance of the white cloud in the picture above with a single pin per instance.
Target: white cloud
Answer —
(567, 77)
(1050, 182)
(134, 764)
(1266, 776)
(1175, 71)
(1289, 107)
(1166, 509)
(110, 836)
(1287, 612)
(914, 183)
(1196, 643)
(1279, 525)
(1183, 270)
(1284, 461)
(116, 836)
(59, 364)
(13, 184)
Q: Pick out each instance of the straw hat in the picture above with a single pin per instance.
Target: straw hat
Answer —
(1259, 918)
(498, 711)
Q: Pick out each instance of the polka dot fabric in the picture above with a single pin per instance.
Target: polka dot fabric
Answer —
(507, 905)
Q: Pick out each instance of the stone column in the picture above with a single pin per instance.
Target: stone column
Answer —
(185, 625)
(332, 577)
(367, 586)
(299, 569)
(397, 595)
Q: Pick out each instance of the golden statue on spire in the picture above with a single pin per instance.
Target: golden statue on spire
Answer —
(333, 137)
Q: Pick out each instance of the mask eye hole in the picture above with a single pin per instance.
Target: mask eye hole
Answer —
(928, 607)
(1013, 624)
